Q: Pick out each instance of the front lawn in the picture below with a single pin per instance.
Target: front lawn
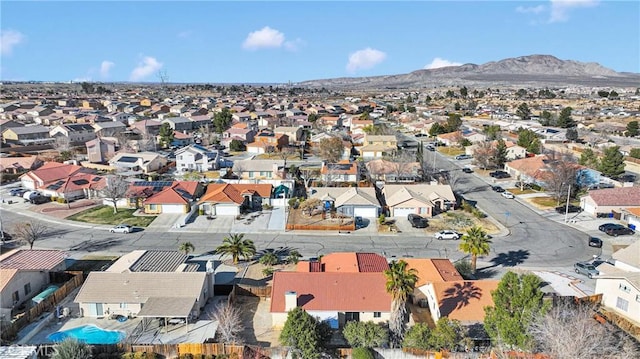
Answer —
(549, 202)
(105, 215)
(451, 151)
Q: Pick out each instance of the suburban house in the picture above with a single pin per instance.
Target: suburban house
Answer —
(450, 139)
(232, 199)
(267, 141)
(343, 171)
(197, 158)
(393, 172)
(377, 146)
(63, 180)
(181, 139)
(537, 169)
(349, 201)
(145, 294)
(443, 290)
(101, 149)
(513, 150)
(140, 162)
(611, 200)
(425, 200)
(335, 297)
(175, 198)
(294, 133)
(179, 123)
(153, 260)
(109, 129)
(345, 262)
(26, 135)
(244, 135)
(147, 127)
(24, 274)
(259, 169)
(619, 283)
(19, 164)
(75, 133)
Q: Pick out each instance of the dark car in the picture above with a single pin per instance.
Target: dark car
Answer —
(595, 242)
(417, 221)
(497, 189)
(39, 199)
(17, 192)
(604, 227)
(619, 231)
(499, 174)
(572, 209)
(467, 170)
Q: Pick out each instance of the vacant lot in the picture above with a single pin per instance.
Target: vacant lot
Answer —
(105, 215)
(460, 221)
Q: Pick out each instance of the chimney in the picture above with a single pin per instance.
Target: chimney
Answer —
(290, 301)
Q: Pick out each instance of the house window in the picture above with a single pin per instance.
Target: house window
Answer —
(377, 314)
(638, 298)
(153, 207)
(123, 305)
(27, 289)
(623, 287)
(622, 304)
(15, 297)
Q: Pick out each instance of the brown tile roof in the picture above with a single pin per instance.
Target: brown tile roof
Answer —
(433, 270)
(32, 259)
(625, 196)
(346, 262)
(168, 195)
(371, 262)
(232, 192)
(464, 300)
(345, 292)
(51, 171)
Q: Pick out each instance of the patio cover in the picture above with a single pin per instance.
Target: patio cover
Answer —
(167, 307)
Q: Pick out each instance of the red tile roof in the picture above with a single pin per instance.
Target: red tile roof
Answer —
(346, 262)
(371, 262)
(52, 171)
(232, 192)
(346, 292)
(625, 196)
(167, 196)
(465, 300)
(433, 270)
(33, 259)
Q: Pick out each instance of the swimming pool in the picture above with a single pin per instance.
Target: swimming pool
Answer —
(89, 334)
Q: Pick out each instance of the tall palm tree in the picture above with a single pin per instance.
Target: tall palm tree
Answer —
(475, 242)
(236, 246)
(400, 284)
(186, 247)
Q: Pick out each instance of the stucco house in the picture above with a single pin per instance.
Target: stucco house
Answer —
(231, 199)
(350, 201)
(175, 198)
(197, 158)
(610, 200)
(390, 172)
(101, 149)
(142, 162)
(343, 171)
(425, 200)
(27, 135)
(77, 133)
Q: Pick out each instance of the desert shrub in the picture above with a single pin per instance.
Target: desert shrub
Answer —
(362, 353)
(478, 213)
(464, 268)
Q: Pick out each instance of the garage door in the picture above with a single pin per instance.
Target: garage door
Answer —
(366, 212)
(173, 208)
(589, 208)
(403, 212)
(226, 210)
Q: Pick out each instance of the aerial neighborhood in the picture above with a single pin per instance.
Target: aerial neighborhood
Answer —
(242, 221)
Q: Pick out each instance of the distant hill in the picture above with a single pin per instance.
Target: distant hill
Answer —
(525, 71)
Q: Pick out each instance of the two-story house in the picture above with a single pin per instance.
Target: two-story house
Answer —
(377, 146)
(143, 162)
(77, 133)
(27, 135)
(101, 149)
(197, 158)
(109, 129)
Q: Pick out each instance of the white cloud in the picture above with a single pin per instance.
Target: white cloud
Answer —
(9, 39)
(146, 67)
(105, 67)
(560, 8)
(365, 59)
(438, 62)
(264, 38)
(530, 9)
(294, 45)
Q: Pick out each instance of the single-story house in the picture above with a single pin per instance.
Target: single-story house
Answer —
(345, 262)
(610, 200)
(343, 171)
(350, 201)
(335, 297)
(143, 162)
(231, 199)
(176, 198)
(425, 200)
(19, 164)
(389, 171)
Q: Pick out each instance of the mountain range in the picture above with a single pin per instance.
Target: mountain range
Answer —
(523, 71)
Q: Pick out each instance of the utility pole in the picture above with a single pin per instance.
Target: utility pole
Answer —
(566, 211)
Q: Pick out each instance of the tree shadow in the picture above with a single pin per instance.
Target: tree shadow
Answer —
(459, 296)
(485, 273)
(510, 259)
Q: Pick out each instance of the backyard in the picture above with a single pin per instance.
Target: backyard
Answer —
(105, 215)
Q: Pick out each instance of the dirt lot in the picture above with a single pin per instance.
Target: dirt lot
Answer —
(460, 221)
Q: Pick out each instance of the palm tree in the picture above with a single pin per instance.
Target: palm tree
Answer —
(293, 257)
(269, 259)
(400, 284)
(186, 247)
(71, 348)
(236, 246)
(475, 242)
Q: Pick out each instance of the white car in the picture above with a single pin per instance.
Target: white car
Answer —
(121, 228)
(447, 234)
(507, 194)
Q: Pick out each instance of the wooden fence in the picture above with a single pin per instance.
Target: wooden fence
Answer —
(174, 350)
(10, 330)
(252, 291)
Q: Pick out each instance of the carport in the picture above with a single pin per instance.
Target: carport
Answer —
(166, 308)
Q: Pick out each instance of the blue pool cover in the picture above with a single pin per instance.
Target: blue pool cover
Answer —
(89, 334)
(45, 293)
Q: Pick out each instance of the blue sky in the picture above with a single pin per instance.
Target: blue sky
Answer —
(276, 42)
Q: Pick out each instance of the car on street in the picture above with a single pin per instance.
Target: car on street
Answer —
(572, 209)
(463, 157)
(604, 227)
(595, 242)
(121, 228)
(507, 194)
(447, 234)
(619, 231)
(430, 148)
(497, 189)
(499, 174)
(417, 221)
(17, 192)
(586, 268)
(467, 170)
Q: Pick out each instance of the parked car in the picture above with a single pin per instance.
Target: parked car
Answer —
(39, 199)
(523, 185)
(17, 191)
(447, 234)
(619, 231)
(467, 170)
(499, 174)
(463, 157)
(595, 242)
(430, 148)
(358, 222)
(586, 268)
(121, 228)
(604, 227)
(497, 189)
(507, 194)
(572, 209)
(417, 221)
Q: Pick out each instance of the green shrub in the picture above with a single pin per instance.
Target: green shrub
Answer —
(464, 268)
(478, 213)
(382, 219)
(267, 272)
(362, 353)
(200, 211)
